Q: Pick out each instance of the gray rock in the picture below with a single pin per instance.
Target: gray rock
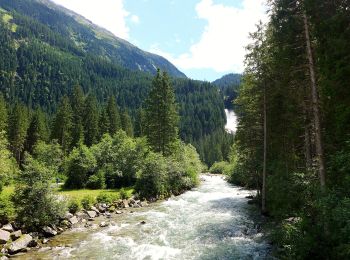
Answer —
(4, 236)
(16, 235)
(91, 213)
(101, 209)
(95, 209)
(104, 224)
(132, 201)
(20, 244)
(8, 228)
(4, 258)
(144, 203)
(45, 241)
(143, 222)
(73, 220)
(108, 215)
(82, 215)
(68, 215)
(125, 204)
(118, 212)
(49, 232)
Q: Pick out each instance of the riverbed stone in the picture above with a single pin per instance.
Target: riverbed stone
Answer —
(104, 224)
(118, 212)
(68, 215)
(4, 236)
(82, 215)
(91, 213)
(93, 208)
(20, 244)
(8, 228)
(144, 203)
(49, 232)
(101, 209)
(16, 235)
(73, 220)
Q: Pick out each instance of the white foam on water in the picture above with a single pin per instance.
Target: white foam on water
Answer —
(154, 252)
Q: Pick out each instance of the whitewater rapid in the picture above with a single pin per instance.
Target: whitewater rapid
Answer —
(213, 221)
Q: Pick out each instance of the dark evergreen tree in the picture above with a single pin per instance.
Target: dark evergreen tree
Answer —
(62, 126)
(103, 123)
(77, 104)
(126, 123)
(3, 114)
(37, 130)
(18, 124)
(113, 116)
(91, 123)
(161, 117)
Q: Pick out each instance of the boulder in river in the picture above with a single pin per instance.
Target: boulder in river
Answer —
(49, 232)
(93, 208)
(125, 204)
(4, 236)
(104, 224)
(20, 244)
(118, 212)
(16, 235)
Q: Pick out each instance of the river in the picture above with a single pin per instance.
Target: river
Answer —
(211, 222)
(231, 123)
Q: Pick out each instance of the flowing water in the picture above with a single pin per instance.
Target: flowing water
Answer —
(231, 124)
(213, 221)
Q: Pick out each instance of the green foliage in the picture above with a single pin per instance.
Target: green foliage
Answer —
(73, 206)
(35, 203)
(3, 114)
(152, 181)
(49, 154)
(87, 202)
(8, 166)
(105, 197)
(80, 165)
(219, 167)
(124, 194)
(96, 181)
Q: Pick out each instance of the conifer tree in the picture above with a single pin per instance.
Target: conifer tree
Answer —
(113, 116)
(37, 130)
(77, 104)
(3, 114)
(103, 123)
(161, 117)
(62, 126)
(91, 118)
(18, 130)
(126, 123)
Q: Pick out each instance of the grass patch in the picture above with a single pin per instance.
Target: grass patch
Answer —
(80, 194)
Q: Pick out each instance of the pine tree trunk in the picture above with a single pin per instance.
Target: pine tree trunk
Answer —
(307, 137)
(315, 107)
(263, 190)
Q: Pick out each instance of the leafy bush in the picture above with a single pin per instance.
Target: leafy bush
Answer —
(7, 210)
(120, 158)
(123, 194)
(219, 167)
(87, 202)
(80, 165)
(152, 180)
(35, 203)
(105, 197)
(73, 206)
(96, 181)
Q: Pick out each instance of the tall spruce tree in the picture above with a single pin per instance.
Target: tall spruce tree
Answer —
(113, 116)
(37, 130)
(91, 118)
(3, 114)
(161, 116)
(18, 124)
(126, 123)
(62, 126)
(77, 104)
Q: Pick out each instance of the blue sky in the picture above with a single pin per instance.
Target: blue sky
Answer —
(204, 38)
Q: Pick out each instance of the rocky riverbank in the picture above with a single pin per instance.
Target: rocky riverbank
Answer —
(14, 240)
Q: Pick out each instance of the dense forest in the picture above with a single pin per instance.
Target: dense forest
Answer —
(45, 52)
(292, 142)
(229, 88)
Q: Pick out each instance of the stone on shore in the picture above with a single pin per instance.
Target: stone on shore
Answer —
(4, 236)
(8, 228)
(49, 232)
(16, 235)
(20, 244)
(103, 224)
(91, 213)
(73, 220)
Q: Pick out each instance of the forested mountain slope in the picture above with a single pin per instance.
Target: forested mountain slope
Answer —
(229, 86)
(45, 50)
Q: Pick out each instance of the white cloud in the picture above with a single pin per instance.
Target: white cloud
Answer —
(109, 14)
(222, 44)
(135, 19)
